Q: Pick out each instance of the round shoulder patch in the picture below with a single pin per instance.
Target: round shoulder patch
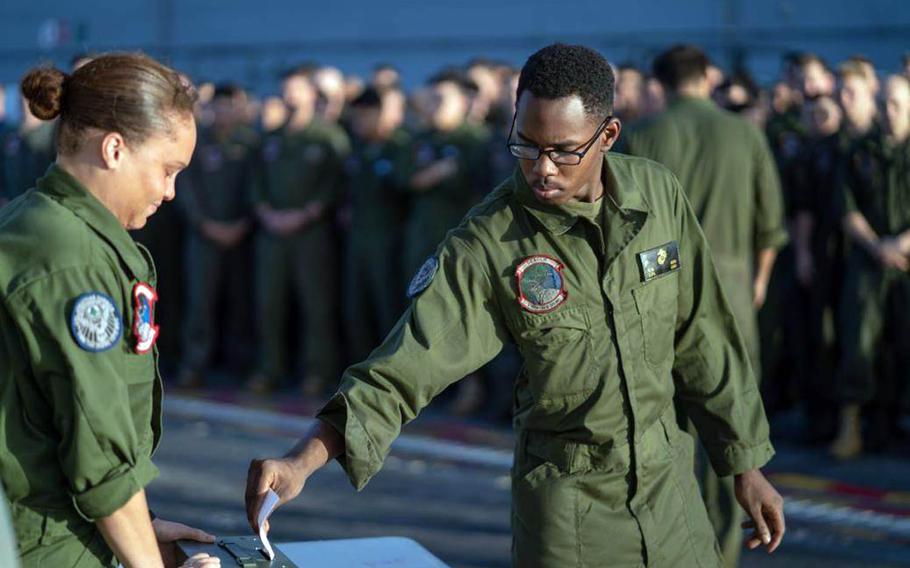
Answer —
(541, 286)
(95, 322)
(424, 276)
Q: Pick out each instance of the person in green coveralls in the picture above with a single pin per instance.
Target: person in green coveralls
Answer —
(215, 197)
(784, 340)
(377, 177)
(876, 298)
(298, 172)
(819, 241)
(818, 244)
(594, 264)
(27, 151)
(727, 171)
(445, 164)
(80, 394)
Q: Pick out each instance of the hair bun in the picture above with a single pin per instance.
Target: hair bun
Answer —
(43, 89)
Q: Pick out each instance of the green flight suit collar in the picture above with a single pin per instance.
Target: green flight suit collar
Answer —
(620, 188)
(66, 190)
(684, 101)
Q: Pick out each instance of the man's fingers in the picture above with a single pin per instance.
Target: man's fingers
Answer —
(777, 522)
(252, 510)
(254, 496)
(753, 541)
(761, 528)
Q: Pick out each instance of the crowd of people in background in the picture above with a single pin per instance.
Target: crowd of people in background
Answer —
(295, 231)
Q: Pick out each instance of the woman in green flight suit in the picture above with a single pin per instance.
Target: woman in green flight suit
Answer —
(80, 394)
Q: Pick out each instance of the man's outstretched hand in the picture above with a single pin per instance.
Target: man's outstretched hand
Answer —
(282, 476)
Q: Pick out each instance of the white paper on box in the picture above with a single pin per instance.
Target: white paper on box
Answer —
(268, 505)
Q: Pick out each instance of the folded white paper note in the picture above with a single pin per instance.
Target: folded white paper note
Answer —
(268, 505)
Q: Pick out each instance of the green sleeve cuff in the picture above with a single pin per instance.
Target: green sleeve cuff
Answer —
(104, 499)
(775, 239)
(733, 460)
(360, 459)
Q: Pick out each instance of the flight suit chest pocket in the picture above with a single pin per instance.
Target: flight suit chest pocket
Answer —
(556, 348)
(656, 303)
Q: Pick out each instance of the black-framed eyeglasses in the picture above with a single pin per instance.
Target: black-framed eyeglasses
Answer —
(561, 157)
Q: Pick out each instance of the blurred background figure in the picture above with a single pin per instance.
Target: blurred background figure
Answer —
(447, 158)
(737, 93)
(868, 70)
(485, 109)
(377, 176)
(353, 87)
(818, 254)
(716, 77)
(813, 76)
(630, 94)
(204, 115)
(215, 198)
(330, 85)
(876, 297)
(655, 97)
(726, 169)
(273, 115)
(28, 150)
(394, 107)
(385, 76)
(297, 182)
(857, 91)
(782, 319)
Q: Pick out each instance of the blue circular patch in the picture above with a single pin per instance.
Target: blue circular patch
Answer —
(95, 322)
(424, 276)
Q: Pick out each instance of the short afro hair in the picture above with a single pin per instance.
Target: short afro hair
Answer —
(561, 70)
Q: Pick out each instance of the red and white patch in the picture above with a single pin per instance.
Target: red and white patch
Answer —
(144, 328)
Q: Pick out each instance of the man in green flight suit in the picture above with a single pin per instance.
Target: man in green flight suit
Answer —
(215, 198)
(728, 173)
(377, 178)
(595, 266)
(296, 185)
(876, 205)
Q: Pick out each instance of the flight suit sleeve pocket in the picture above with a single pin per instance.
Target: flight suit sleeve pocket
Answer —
(137, 369)
(656, 303)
